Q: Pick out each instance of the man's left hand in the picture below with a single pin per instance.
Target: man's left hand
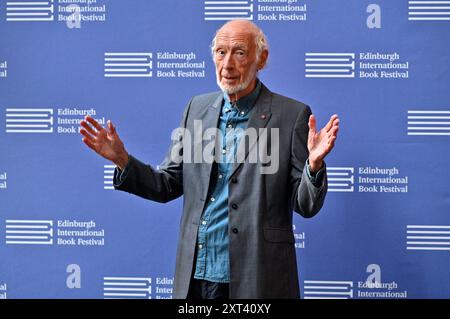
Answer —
(322, 142)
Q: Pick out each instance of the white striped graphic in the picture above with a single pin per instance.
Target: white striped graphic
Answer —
(29, 232)
(228, 10)
(319, 289)
(428, 122)
(329, 65)
(29, 10)
(108, 176)
(29, 120)
(128, 64)
(429, 10)
(428, 237)
(340, 179)
(127, 287)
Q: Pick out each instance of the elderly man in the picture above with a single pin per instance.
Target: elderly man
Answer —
(236, 238)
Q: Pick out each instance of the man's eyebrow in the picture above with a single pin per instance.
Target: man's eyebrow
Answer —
(233, 47)
(240, 46)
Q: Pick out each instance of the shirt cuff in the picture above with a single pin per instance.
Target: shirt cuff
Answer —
(120, 175)
(315, 178)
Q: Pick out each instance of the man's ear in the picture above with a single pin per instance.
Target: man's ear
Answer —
(263, 59)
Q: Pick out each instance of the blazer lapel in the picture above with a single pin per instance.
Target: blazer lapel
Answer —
(258, 120)
(210, 119)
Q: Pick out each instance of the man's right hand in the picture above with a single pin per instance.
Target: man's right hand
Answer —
(104, 142)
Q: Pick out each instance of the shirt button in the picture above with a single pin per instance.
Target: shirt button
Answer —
(224, 151)
(242, 113)
(235, 230)
(220, 176)
(212, 199)
(204, 222)
(230, 125)
(200, 246)
(234, 206)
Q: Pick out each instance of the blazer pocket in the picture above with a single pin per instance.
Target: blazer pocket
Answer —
(277, 235)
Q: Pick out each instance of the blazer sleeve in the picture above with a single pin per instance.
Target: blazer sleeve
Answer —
(306, 199)
(161, 184)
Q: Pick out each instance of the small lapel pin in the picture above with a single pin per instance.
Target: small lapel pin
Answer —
(263, 116)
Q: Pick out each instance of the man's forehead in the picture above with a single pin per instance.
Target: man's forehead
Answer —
(235, 38)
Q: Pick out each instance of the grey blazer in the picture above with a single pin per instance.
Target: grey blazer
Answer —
(261, 243)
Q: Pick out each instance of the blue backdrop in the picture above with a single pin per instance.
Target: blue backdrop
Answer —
(383, 66)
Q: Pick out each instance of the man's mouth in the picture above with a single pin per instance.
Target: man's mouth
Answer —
(230, 77)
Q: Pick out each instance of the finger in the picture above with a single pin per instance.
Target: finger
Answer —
(94, 123)
(331, 139)
(334, 130)
(89, 144)
(331, 142)
(88, 128)
(87, 135)
(336, 122)
(312, 124)
(335, 125)
(330, 122)
(111, 128)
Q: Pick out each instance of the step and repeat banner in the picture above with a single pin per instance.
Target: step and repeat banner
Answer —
(382, 65)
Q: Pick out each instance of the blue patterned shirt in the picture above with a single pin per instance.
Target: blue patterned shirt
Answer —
(212, 242)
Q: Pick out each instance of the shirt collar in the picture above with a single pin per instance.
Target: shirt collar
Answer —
(245, 103)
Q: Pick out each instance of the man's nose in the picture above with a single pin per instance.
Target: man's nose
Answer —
(228, 61)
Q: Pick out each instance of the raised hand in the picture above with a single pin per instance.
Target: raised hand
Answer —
(321, 143)
(105, 142)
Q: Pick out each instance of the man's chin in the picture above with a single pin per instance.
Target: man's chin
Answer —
(230, 89)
